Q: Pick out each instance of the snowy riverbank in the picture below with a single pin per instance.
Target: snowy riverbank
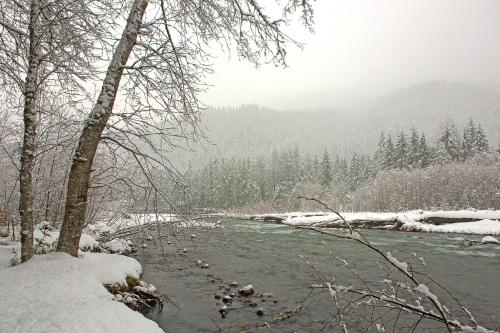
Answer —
(479, 222)
(55, 292)
(59, 293)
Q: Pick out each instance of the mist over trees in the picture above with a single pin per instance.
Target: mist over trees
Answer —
(251, 130)
(404, 172)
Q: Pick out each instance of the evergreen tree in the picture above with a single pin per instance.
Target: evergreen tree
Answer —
(401, 155)
(389, 154)
(326, 171)
(449, 146)
(380, 152)
(468, 139)
(424, 153)
(414, 147)
(480, 141)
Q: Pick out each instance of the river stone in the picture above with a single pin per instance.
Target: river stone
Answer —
(227, 289)
(232, 295)
(205, 266)
(227, 299)
(217, 296)
(223, 311)
(233, 284)
(247, 290)
(184, 250)
(260, 312)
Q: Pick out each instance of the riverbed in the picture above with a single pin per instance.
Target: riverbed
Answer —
(277, 261)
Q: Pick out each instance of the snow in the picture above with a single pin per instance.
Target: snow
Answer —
(489, 239)
(422, 288)
(46, 236)
(136, 220)
(487, 220)
(8, 250)
(401, 265)
(59, 293)
(117, 245)
(483, 227)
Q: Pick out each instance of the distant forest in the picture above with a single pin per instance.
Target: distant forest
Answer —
(406, 171)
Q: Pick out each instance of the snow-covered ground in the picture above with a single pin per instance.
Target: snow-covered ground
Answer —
(56, 292)
(486, 222)
(112, 225)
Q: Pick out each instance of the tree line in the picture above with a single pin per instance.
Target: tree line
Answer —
(277, 179)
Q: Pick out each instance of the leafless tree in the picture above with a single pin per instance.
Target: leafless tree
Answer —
(164, 55)
(470, 184)
(404, 299)
(47, 48)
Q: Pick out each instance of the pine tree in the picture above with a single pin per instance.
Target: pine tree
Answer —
(380, 152)
(401, 149)
(424, 157)
(468, 139)
(389, 154)
(354, 174)
(481, 142)
(414, 148)
(326, 171)
(449, 144)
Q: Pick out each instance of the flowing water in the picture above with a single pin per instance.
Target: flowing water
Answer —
(273, 259)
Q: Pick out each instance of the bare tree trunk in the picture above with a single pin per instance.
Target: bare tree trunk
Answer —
(29, 139)
(78, 183)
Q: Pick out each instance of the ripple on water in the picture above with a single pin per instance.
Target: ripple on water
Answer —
(473, 253)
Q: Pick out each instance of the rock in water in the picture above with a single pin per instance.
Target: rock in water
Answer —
(223, 311)
(247, 290)
(233, 284)
(260, 312)
(227, 299)
(489, 240)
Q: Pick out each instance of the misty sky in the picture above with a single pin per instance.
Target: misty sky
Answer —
(362, 48)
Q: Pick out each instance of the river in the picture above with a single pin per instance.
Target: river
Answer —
(273, 259)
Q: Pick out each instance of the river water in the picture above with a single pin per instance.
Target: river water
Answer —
(273, 259)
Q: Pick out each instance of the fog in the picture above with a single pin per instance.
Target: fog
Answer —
(363, 48)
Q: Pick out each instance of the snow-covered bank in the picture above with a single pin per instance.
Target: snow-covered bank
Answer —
(59, 293)
(111, 227)
(480, 222)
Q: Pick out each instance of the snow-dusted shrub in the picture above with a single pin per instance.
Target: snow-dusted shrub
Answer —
(473, 183)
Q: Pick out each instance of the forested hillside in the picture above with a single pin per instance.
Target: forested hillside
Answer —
(253, 130)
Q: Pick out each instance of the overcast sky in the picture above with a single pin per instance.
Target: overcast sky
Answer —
(362, 48)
